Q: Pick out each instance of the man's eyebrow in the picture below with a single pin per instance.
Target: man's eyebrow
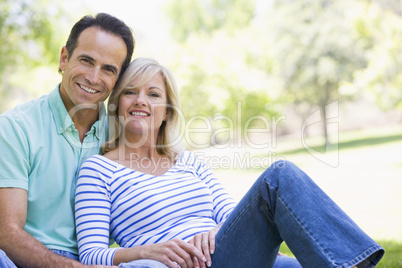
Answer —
(87, 57)
(108, 66)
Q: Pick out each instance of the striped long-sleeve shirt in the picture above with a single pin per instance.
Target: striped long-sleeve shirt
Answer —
(137, 208)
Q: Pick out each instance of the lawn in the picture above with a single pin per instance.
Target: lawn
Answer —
(366, 179)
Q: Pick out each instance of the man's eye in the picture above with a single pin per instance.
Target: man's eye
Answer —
(110, 70)
(85, 60)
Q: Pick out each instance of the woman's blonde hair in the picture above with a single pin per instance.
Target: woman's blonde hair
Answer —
(141, 71)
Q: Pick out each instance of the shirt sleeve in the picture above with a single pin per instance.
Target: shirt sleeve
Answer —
(222, 201)
(92, 212)
(14, 156)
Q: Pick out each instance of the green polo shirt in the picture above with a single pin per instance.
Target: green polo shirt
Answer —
(41, 153)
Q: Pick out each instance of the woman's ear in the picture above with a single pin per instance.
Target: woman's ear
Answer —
(167, 115)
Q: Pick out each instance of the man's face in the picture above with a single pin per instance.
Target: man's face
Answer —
(91, 72)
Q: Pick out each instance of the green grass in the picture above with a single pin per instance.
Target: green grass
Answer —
(391, 259)
(348, 142)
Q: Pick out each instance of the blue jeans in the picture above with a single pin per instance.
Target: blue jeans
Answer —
(284, 204)
(5, 261)
(281, 262)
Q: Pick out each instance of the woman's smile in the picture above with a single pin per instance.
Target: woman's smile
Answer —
(139, 113)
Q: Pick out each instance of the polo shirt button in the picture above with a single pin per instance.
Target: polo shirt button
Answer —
(69, 129)
(61, 129)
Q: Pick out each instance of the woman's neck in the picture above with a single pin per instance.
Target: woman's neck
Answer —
(145, 159)
(127, 152)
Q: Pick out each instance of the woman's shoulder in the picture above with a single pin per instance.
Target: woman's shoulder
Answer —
(100, 161)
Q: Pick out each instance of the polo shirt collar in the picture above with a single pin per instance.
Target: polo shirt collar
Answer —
(100, 125)
(63, 120)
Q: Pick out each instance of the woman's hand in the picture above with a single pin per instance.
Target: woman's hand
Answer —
(205, 242)
(173, 253)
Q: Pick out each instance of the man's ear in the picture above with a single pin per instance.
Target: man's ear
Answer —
(63, 58)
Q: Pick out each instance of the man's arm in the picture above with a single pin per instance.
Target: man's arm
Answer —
(23, 249)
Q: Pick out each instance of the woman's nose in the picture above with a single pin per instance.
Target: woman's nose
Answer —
(140, 100)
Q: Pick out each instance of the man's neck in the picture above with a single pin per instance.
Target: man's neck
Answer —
(83, 120)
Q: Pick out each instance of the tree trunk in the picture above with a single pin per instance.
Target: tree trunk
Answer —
(325, 126)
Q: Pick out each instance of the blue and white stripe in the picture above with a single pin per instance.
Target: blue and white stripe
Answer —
(138, 209)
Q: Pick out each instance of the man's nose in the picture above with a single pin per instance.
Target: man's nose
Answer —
(93, 76)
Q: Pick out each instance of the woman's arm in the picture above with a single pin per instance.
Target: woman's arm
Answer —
(222, 201)
(92, 213)
(93, 207)
(223, 205)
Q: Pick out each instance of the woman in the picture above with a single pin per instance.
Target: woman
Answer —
(161, 203)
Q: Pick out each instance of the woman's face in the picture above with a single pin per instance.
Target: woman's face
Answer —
(142, 110)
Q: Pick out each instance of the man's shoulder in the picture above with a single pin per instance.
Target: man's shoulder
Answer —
(25, 118)
(27, 109)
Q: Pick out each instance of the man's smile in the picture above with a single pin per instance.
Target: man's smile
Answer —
(87, 89)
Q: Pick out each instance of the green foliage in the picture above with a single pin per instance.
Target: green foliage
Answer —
(205, 17)
(211, 65)
(32, 36)
(316, 51)
(29, 33)
(307, 53)
(383, 76)
(197, 100)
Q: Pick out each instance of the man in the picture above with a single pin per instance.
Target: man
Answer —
(45, 141)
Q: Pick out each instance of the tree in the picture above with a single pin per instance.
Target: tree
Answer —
(213, 39)
(316, 51)
(29, 39)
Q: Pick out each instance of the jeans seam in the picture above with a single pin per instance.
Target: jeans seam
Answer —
(302, 227)
(364, 257)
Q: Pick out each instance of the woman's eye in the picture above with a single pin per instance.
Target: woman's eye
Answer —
(156, 95)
